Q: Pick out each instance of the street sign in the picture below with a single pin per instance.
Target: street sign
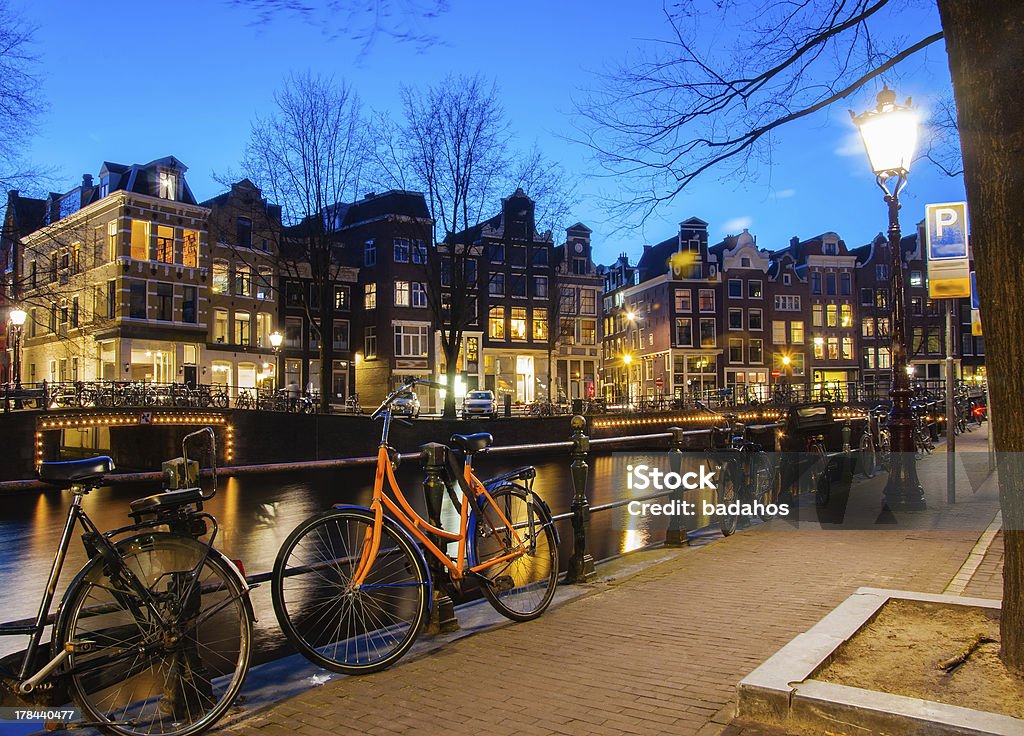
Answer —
(659, 381)
(146, 417)
(946, 250)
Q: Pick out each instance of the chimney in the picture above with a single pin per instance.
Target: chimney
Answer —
(794, 241)
(86, 181)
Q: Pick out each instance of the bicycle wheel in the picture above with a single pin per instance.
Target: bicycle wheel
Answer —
(729, 481)
(762, 475)
(341, 628)
(866, 456)
(819, 475)
(520, 588)
(144, 676)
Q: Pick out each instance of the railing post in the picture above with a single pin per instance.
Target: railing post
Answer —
(676, 535)
(846, 433)
(581, 564)
(442, 610)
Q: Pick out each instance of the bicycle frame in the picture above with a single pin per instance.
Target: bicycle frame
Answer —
(418, 527)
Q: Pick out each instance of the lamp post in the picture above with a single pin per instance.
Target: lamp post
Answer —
(889, 133)
(627, 361)
(17, 317)
(276, 338)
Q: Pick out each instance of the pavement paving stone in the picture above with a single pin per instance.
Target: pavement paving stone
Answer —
(659, 651)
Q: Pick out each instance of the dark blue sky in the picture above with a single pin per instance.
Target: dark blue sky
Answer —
(130, 82)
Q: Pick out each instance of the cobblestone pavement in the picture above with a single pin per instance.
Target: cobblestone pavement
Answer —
(987, 581)
(659, 651)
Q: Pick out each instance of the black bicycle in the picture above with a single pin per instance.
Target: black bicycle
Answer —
(153, 635)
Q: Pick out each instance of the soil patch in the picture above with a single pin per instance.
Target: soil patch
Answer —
(897, 653)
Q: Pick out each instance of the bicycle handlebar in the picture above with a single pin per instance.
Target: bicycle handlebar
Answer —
(379, 411)
(212, 438)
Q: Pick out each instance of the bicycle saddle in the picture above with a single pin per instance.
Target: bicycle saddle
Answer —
(470, 443)
(165, 501)
(75, 471)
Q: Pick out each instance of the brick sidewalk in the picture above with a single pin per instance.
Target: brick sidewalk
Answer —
(658, 652)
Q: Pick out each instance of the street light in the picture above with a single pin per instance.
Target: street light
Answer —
(276, 338)
(17, 317)
(889, 133)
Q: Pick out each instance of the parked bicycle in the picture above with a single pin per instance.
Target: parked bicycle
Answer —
(153, 635)
(351, 586)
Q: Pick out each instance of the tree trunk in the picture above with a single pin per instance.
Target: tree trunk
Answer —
(986, 55)
(450, 373)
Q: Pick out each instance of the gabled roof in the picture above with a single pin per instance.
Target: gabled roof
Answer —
(143, 178)
(392, 202)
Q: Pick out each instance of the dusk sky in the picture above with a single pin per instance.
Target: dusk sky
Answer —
(130, 82)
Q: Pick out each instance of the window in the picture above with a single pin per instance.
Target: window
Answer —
(370, 296)
(164, 302)
(787, 279)
(869, 358)
(744, 262)
(684, 332)
(370, 342)
(796, 332)
(419, 252)
(369, 253)
(265, 282)
(787, 303)
(754, 289)
(74, 311)
(540, 324)
(830, 284)
(754, 320)
(706, 300)
(867, 327)
(934, 339)
(540, 256)
(567, 331)
(137, 300)
(683, 303)
(735, 350)
(140, 240)
(243, 329)
(470, 272)
(243, 232)
(735, 319)
(708, 332)
(816, 282)
(262, 329)
(567, 300)
(517, 285)
(819, 348)
(833, 348)
(867, 297)
(189, 305)
(497, 285)
(847, 344)
(293, 332)
(243, 280)
(883, 326)
(588, 301)
(496, 323)
(881, 274)
(735, 288)
(817, 315)
(830, 249)
(190, 248)
(411, 341)
(401, 250)
(882, 298)
(831, 316)
(168, 185)
(540, 286)
(845, 284)
(33, 275)
(111, 240)
(884, 358)
(579, 266)
(220, 276)
(111, 299)
(294, 293)
(845, 315)
(588, 331)
(916, 305)
(778, 332)
(342, 297)
(517, 323)
(402, 298)
(756, 351)
(496, 253)
(517, 256)
(419, 295)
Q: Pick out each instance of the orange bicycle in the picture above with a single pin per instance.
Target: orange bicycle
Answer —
(351, 586)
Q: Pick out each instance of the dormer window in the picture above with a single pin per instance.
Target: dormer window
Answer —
(168, 185)
(831, 249)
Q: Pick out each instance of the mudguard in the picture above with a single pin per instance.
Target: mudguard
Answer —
(532, 495)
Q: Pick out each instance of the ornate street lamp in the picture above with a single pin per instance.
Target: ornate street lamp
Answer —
(17, 317)
(276, 338)
(889, 133)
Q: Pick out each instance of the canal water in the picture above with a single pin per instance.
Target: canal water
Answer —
(256, 514)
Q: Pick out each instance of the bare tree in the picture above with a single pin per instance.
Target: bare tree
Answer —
(680, 112)
(20, 101)
(307, 156)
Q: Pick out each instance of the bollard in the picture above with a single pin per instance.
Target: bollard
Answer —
(581, 564)
(676, 535)
(442, 610)
(846, 433)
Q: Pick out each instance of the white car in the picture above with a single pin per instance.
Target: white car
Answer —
(480, 404)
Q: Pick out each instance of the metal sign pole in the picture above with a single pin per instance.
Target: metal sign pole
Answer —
(950, 405)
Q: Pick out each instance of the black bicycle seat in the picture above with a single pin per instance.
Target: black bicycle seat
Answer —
(75, 471)
(166, 501)
(470, 443)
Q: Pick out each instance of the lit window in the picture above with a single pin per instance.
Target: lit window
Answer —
(588, 332)
(517, 324)
(112, 240)
(220, 276)
(370, 296)
(754, 289)
(846, 316)
(265, 283)
(243, 331)
(833, 348)
(817, 315)
(140, 240)
(778, 332)
(341, 298)
(168, 185)
(540, 324)
(243, 280)
(401, 293)
(190, 248)
(796, 332)
(831, 316)
(220, 325)
(370, 342)
(496, 323)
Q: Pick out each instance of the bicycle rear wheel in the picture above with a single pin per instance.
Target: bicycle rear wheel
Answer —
(144, 676)
(520, 588)
(729, 482)
(762, 474)
(333, 624)
(866, 456)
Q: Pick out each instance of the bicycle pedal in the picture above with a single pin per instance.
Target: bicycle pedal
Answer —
(501, 583)
(81, 646)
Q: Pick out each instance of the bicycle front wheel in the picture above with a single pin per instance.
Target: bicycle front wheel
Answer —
(762, 474)
(341, 627)
(866, 456)
(729, 483)
(519, 588)
(172, 673)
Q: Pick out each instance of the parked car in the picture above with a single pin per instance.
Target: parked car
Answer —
(480, 404)
(406, 404)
